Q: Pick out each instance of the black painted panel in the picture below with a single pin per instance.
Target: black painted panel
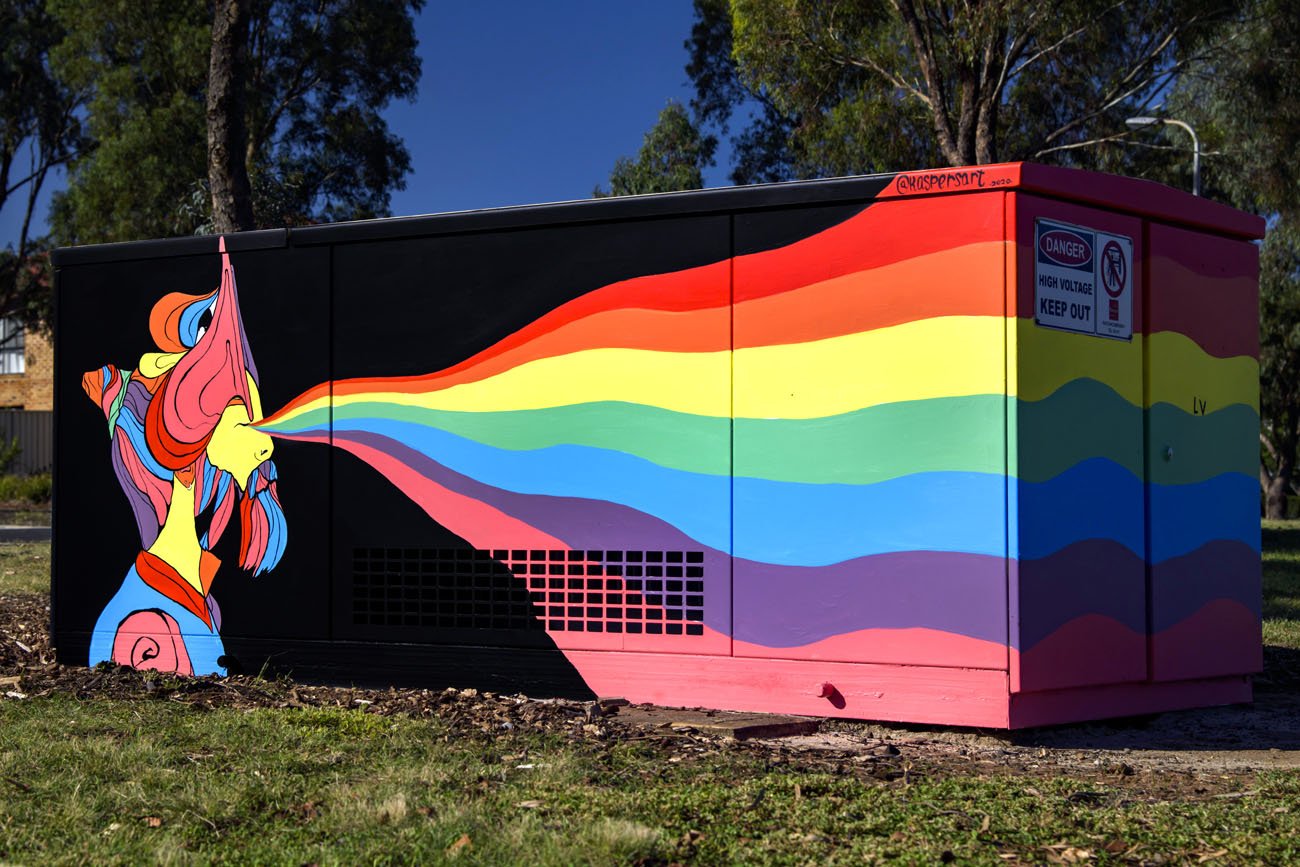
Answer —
(103, 313)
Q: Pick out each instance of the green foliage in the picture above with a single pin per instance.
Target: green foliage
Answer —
(39, 131)
(1246, 107)
(1279, 358)
(33, 489)
(319, 149)
(144, 63)
(672, 157)
(849, 86)
(9, 452)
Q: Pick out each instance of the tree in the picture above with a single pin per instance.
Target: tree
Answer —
(672, 157)
(849, 86)
(1279, 366)
(1246, 107)
(316, 148)
(232, 197)
(39, 120)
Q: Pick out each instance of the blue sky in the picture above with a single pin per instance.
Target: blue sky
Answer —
(523, 101)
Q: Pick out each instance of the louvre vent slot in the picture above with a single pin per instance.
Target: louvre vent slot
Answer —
(610, 591)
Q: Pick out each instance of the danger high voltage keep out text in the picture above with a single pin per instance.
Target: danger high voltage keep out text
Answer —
(1070, 264)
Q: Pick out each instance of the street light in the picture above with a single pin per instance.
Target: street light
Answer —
(1144, 122)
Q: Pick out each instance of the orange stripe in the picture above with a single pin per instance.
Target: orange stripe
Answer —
(877, 236)
(939, 284)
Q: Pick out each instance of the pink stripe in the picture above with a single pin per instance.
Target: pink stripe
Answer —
(907, 646)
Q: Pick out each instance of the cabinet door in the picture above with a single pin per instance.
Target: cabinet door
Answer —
(532, 437)
(1202, 377)
(870, 424)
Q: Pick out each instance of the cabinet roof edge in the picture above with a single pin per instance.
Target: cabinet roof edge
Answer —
(1130, 195)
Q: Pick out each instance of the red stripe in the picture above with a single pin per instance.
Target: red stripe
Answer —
(158, 574)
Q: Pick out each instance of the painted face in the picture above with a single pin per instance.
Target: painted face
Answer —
(236, 446)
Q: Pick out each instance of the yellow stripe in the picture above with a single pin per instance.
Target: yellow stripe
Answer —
(1179, 368)
(1048, 359)
(933, 358)
(685, 382)
(939, 357)
(1181, 371)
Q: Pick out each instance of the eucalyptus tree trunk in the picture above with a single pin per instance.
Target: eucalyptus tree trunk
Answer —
(232, 197)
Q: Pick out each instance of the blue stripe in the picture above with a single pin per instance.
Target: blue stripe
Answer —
(1098, 499)
(698, 505)
(795, 524)
(1185, 517)
(798, 524)
(134, 430)
(784, 523)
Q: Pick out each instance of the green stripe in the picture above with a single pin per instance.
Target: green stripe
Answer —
(694, 443)
(314, 419)
(1080, 420)
(1084, 419)
(1204, 446)
(871, 445)
(959, 434)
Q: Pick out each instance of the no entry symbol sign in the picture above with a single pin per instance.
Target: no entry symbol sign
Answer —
(1114, 269)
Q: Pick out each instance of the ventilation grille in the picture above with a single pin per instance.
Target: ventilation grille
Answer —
(632, 592)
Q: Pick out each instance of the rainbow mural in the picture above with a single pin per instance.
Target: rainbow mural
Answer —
(867, 443)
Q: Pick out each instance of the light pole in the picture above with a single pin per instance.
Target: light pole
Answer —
(1144, 122)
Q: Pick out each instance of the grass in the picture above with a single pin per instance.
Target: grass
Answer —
(25, 567)
(1282, 583)
(126, 782)
(129, 782)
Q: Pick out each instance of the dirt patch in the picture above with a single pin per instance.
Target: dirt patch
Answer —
(1186, 755)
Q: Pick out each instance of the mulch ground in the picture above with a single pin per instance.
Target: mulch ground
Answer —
(882, 753)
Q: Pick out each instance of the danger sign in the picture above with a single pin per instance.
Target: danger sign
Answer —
(1082, 280)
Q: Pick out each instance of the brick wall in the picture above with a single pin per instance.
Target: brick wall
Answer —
(35, 388)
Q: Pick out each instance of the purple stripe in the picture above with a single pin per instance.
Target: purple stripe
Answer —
(1096, 576)
(1222, 569)
(789, 606)
(137, 398)
(1104, 577)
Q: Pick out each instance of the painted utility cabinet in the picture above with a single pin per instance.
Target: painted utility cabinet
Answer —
(968, 446)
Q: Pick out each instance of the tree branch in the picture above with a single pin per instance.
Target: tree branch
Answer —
(1119, 136)
(923, 44)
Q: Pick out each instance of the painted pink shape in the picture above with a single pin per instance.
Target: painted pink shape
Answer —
(151, 641)
(207, 377)
(472, 520)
